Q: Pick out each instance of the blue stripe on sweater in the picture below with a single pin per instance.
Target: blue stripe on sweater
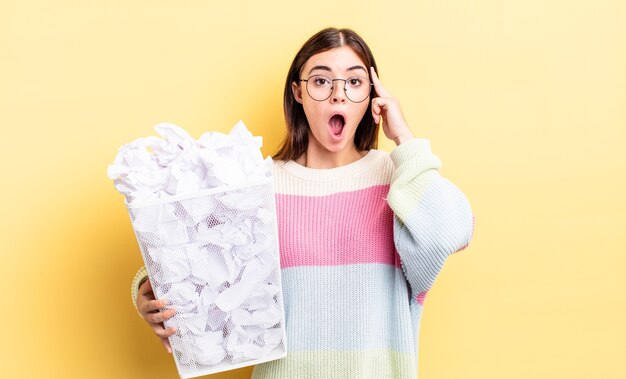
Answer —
(349, 307)
(440, 224)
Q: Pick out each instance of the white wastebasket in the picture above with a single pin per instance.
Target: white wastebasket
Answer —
(214, 256)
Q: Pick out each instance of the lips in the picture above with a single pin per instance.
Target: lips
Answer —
(336, 123)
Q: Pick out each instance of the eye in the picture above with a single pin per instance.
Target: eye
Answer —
(355, 81)
(320, 81)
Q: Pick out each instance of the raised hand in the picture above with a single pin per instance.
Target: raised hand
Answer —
(387, 106)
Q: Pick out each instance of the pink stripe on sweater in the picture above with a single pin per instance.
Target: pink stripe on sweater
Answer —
(421, 297)
(338, 229)
(471, 234)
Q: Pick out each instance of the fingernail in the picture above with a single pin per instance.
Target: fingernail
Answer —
(163, 303)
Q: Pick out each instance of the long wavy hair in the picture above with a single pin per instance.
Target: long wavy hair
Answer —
(297, 137)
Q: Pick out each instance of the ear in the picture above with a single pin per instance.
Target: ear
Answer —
(296, 89)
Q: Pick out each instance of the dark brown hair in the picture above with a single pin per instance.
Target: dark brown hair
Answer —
(297, 137)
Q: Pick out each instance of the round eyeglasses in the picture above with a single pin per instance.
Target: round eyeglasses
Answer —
(320, 87)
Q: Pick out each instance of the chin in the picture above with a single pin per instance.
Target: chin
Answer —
(337, 148)
(330, 149)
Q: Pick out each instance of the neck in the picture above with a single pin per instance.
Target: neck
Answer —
(314, 158)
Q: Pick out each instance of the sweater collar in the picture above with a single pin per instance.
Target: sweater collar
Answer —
(329, 174)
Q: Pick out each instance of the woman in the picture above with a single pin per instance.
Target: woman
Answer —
(363, 234)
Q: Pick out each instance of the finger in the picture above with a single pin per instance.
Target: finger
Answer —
(379, 105)
(375, 110)
(161, 331)
(152, 305)
(159, 317)
(380, 90)
(166, 345)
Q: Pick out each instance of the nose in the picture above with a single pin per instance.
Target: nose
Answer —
(338, 92)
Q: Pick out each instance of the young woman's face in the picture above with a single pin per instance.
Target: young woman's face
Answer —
(333, 121)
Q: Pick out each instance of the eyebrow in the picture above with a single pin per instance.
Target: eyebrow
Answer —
(326, 68)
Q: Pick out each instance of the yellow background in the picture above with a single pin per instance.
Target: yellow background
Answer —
(524, 101)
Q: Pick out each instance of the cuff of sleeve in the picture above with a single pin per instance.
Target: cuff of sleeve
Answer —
(418, 147)
(140, 277)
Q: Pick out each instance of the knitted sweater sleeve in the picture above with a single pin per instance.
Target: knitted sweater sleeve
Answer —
(433, 218)
(140, 277)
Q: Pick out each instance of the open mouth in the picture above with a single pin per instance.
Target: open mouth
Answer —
(336, 124)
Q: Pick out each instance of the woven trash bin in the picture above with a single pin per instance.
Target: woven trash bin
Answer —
(214, 256)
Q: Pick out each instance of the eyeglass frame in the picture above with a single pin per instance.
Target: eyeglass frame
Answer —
(345, 82)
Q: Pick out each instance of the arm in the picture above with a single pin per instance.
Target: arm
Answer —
(433, 218)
